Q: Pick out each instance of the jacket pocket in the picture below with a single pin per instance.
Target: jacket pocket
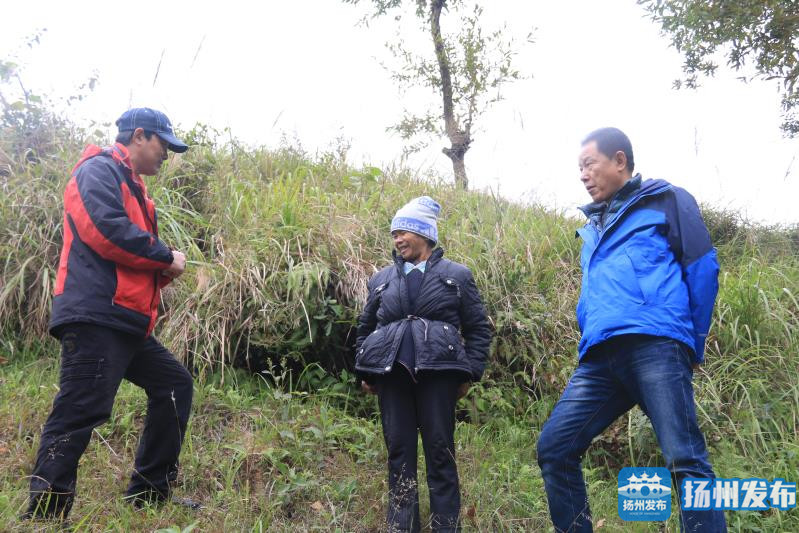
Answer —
(649, 264)
(452, 285)
(450, 295)
(611, 284)
(135, 289)
(636, 292)
(381, 288)
(373, 350)
(377, 301)
(444, 343)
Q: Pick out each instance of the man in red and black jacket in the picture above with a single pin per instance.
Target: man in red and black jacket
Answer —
(110, 275)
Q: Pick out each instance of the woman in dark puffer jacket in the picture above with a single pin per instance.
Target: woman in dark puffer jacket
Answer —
(423, 337)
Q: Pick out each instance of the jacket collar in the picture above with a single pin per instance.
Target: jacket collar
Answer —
(632, 191)
(120, 153)
(597, 211)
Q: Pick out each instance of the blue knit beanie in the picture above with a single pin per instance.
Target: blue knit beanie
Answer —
(418, 216)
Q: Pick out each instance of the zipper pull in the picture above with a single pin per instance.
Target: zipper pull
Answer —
(457, 287)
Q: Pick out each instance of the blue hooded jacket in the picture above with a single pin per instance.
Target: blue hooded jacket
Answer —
(649, 268)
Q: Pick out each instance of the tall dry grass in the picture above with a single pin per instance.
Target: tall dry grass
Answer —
(281, 244)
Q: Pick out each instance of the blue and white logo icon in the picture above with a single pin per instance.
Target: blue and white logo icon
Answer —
(644, 494)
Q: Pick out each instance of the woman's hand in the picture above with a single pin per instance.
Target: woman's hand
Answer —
(369, 389)
(463, 389)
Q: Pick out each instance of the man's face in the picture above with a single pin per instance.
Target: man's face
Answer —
(410, 246)
(147, 154)
(602, 176)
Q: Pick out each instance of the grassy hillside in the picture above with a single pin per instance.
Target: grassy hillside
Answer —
(281, 244)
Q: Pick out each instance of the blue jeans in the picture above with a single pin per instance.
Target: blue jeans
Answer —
(653, 372)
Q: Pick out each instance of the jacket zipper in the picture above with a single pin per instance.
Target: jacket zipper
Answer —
(154, 225)
(452, 283)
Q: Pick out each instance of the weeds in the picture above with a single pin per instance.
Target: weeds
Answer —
(281, 244)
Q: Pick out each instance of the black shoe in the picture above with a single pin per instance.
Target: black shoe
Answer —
(145, 499)
(58, 521)
(155, 499)
(48, 507)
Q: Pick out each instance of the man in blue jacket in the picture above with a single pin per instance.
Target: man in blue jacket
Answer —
(650, 279)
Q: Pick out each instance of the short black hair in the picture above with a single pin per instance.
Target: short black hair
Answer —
(124, 137)
(612, 140)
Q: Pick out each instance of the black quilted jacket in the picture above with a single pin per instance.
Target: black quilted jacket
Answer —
(450, 327)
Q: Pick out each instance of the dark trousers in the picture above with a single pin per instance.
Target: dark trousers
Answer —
(94, 360)
(656, 374)
(429, 405)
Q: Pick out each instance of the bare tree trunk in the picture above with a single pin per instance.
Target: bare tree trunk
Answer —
(459, 139)
(459, 166)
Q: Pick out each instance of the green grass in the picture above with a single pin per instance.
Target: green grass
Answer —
(263, 458)
(258, 457)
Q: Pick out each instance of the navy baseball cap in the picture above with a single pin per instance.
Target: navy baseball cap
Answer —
(154, 121)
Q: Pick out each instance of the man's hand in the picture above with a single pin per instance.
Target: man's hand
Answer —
(369, 389)
(463, 389)
(178, 265)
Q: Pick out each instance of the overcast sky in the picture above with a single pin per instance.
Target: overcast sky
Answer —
(305, 70)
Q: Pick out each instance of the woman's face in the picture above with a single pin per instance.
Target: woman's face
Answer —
(412, 247)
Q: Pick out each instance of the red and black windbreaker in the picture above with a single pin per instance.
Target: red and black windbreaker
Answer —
(111, 260)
